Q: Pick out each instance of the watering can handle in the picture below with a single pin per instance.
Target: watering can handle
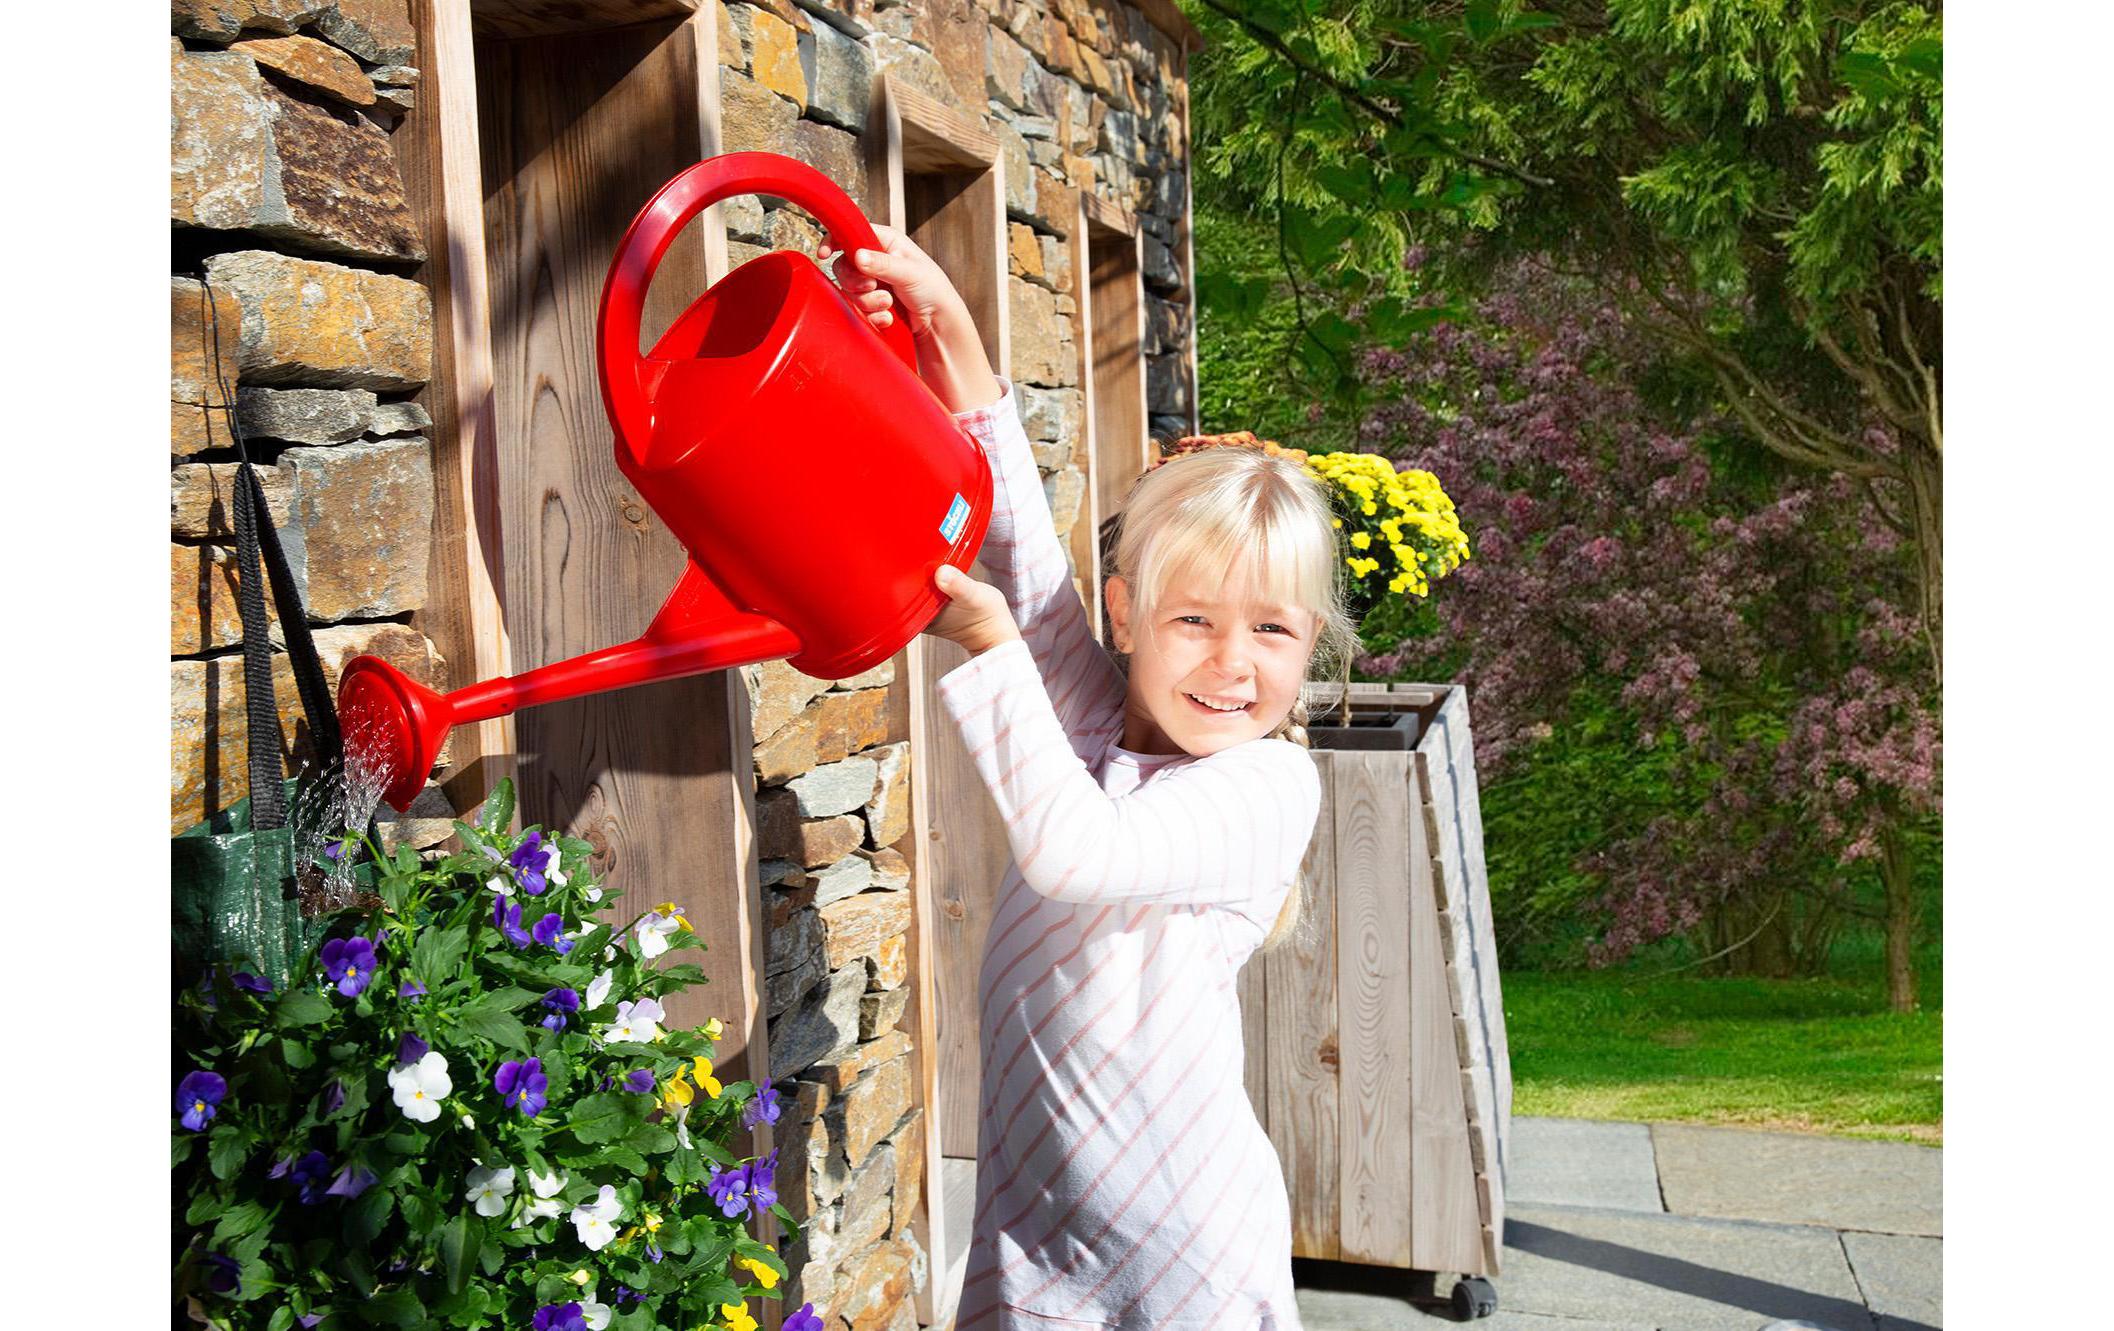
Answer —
(655, 228)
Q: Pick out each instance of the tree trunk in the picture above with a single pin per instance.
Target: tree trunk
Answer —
(1900, 920)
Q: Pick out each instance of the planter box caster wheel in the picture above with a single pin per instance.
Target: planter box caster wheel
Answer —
(1473, 1298)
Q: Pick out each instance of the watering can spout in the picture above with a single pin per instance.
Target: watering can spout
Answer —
(394, 726)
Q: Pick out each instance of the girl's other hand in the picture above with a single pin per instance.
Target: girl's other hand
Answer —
(898, 280)
(976, 615)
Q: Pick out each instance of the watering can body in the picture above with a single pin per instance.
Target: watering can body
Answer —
(815, 481)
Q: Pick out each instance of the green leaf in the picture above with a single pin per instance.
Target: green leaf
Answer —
(399, 1307)
(604, 1117)
(296, 1054)
(300, 1007)
(226, 1149)
(459, 1244)
(240, 1220)
(364, 1216)
(501, 1028)
(651, 1139)
(438, 954)
(498, 814)
(1483, 23)
(624, 1157)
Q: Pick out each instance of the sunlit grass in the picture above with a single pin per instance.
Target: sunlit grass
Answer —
(1817, 1055)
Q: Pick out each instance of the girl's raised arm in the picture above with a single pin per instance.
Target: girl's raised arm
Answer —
(1229, 829)
(1021, 550)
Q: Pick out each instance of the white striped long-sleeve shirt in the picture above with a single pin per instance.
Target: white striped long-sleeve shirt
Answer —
(1122, 1178)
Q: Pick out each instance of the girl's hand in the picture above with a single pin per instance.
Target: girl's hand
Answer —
(976, 615)
(902, 281)
(897, 281)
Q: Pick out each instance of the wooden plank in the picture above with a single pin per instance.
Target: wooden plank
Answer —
(935, 136)
(1253, 993)
(1376, 1122)
(577, 135)
(1083, 543)
(437, 151)
(1304, 1094)
(1107, 216)
(1168, 18)
(950, 200)
(1121, 446)
(1185, 248)
(546, 18)
(1445, 1225)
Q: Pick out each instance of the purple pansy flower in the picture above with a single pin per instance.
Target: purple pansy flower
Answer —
(728, 1189)
(223, 1274)
(762, 1180)
(803, 1320)
(256, 984)
(762, 1109)
(333, 1097)
(639, 1081)
(336, 849)
(653, 1251)
(311, 1174)
(527, 862)
(411, 1049)
(508, 918)
(550, 931)
(521, 1085)
(562, 1003)
(309, 1320)
(626, 1294)
(410, 989)
(198, 1098)
(560, 1317)
(350, 1182)
(349, 962)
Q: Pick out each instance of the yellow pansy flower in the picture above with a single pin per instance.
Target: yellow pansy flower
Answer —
(580, 1278)
(737, 1316)
(765, 1276)
(675, 1092)
(703, 1073)
(713, 1029)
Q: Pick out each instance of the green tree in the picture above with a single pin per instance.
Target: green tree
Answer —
(1756, 182)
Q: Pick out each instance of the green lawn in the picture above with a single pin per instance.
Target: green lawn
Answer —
(1819, 1055)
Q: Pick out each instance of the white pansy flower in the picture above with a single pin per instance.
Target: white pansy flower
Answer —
(596, 1220)
(490, 1188)
(420, 1087)
(592, 893)
(656, 925)
(636, 1021)
(596, 1315)
(501, 884)
(598, 990)
(551, 872)
(545, 1204)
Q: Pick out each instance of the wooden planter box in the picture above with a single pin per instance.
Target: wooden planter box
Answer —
(1376, 1054)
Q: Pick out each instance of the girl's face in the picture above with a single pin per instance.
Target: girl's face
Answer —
(1209, 646)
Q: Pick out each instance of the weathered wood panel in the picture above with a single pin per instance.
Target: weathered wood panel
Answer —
(1115, 367)
(577, 133)
(546, 18)
(1303, 1059)
(1446, 1222)
(1373, 1004)
(437, 150)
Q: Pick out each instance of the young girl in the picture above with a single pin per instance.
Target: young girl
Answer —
(1158, 811)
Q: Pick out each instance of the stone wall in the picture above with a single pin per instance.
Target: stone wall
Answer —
(1080, 96)
(288, 212)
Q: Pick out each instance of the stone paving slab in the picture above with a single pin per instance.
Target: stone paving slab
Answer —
(1581, 1162)
(1675, 1272)
(1902, 1276)
(1349, 1296)
(1795, 1178)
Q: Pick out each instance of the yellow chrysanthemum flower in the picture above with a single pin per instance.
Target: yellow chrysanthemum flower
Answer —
(1360, 540)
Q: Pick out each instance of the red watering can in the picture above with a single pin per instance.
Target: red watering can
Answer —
(771, 386)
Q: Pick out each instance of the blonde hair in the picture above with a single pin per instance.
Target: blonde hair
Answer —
(1221, 515)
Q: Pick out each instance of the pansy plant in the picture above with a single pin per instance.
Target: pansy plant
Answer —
(449, 1116)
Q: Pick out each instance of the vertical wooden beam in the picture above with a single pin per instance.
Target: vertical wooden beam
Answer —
(579, 131)
(937, 177)
(437, 147)
(1303, 1058)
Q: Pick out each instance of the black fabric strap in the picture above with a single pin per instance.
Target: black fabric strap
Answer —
(258, 553)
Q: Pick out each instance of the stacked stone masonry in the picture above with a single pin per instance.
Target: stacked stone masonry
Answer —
(295, 238)
(293, 241)
(1081, 97)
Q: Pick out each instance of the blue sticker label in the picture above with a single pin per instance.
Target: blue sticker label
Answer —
(957, 518)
